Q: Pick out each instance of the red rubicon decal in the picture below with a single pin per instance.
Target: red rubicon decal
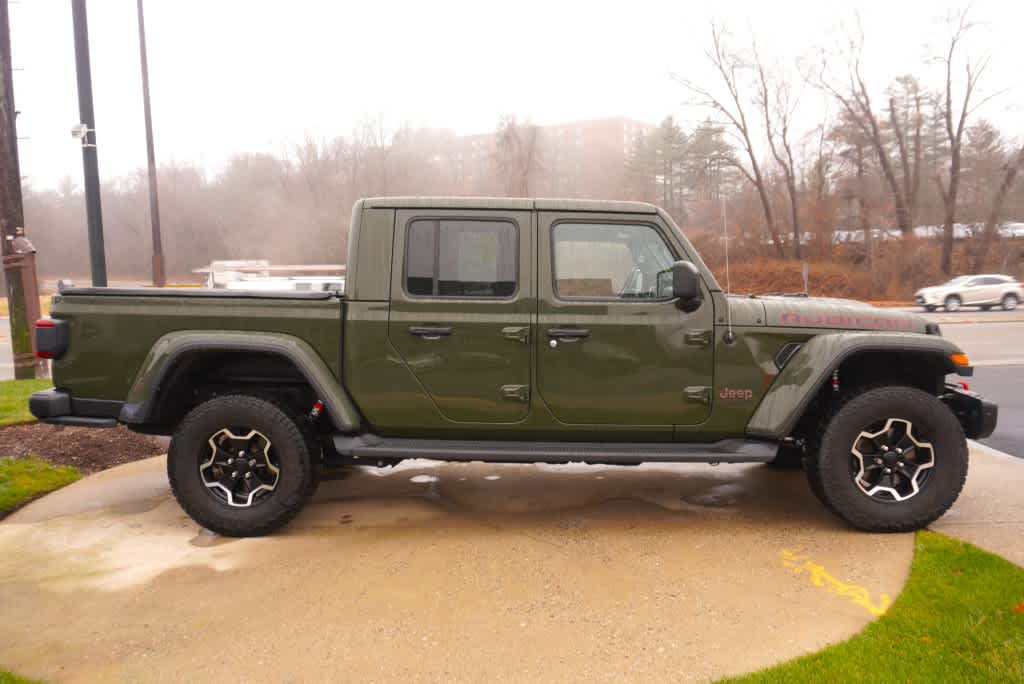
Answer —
(845, 321)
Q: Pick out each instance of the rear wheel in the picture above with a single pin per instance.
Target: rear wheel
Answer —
(952, 303)
(929, 308)
(241, 466)
(891, 459)
(986, 307)
(1010, 302)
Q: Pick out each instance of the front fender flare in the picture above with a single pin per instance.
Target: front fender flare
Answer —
(172, 347)
(809, 368)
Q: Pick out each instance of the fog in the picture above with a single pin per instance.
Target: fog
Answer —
(271, 119)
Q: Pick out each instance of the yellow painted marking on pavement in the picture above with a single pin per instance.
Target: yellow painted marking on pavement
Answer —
(819, 577)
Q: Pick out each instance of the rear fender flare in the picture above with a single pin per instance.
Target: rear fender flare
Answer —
(809, 368)
(173, 347)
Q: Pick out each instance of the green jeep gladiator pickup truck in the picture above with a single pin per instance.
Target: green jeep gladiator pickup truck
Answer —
(515, 330)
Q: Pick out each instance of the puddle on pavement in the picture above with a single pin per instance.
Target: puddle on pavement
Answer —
(206, 539)
(717, 497)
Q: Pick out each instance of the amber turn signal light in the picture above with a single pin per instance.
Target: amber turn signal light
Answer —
(960, 359)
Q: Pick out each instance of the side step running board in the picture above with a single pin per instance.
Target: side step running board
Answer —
(371, 447)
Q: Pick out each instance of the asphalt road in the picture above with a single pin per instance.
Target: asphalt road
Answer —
(997, 351)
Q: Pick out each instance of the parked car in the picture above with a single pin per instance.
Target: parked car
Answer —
(985, 291)
(515, 330)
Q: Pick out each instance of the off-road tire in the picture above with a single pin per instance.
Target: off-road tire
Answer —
(832, 481)
(1010, 302)
(290, 440)
(952, 303)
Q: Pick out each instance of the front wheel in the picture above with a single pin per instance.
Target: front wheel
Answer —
(892, 459)
(1010, 302)
(952, 303)
(241, 466)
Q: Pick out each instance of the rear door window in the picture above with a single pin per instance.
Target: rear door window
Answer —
(461, 258)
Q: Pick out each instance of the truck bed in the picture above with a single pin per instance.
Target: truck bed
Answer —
(111, 331)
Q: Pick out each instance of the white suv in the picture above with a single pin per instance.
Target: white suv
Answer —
(985, 291)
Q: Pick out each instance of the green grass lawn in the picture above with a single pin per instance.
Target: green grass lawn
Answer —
(14, 399)
(24, 478)
(960, 618)
(9, 678)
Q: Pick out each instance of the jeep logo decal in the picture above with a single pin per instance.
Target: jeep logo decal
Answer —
(742, 393)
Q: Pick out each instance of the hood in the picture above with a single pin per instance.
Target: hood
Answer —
(838, 314)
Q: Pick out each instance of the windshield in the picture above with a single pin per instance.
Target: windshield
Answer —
(958, 280)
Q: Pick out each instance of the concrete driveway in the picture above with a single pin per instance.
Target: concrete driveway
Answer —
(443, 572)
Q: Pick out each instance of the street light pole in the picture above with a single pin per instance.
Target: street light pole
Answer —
(19, 257)
(90, 164)
(159, 277)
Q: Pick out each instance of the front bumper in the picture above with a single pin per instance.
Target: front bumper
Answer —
(60, 408)
(977, 416)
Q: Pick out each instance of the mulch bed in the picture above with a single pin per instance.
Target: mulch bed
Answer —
(88, 449)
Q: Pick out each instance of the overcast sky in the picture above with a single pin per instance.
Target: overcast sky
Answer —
(229, 76)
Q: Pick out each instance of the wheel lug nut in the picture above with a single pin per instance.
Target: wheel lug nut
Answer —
(888, 470)
(885, 448)
(899, 451)
(230, 461)
(252, 462)
(899, 464)
(878, 461)
(248, 475)
(234, 474)
(241, 454)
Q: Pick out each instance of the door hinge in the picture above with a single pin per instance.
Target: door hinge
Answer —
(519, 333)
(516, 392)
(698, 394)
(699, 338)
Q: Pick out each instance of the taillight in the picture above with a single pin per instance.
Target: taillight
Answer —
(51, 338)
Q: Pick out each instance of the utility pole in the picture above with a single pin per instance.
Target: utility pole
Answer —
(18, 254)
(90, 165)
(159, 277)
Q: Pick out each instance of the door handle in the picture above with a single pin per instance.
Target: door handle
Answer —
(430, 332)
(568, 333)
(699, 338)
(519, 333)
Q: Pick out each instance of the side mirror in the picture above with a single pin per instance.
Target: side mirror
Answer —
(686, 285)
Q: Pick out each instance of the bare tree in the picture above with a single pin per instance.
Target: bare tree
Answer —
(730, 67)
(1010, 171)
(517, 154)
(855, 102)
(956, 124)
(777, 106)
(906, 118)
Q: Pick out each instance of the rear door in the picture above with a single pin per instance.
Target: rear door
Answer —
(993, 289)
(461, 308)
(612, 346)
(974, 291)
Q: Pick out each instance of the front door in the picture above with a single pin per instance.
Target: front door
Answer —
(612, 345)
(461, 308)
